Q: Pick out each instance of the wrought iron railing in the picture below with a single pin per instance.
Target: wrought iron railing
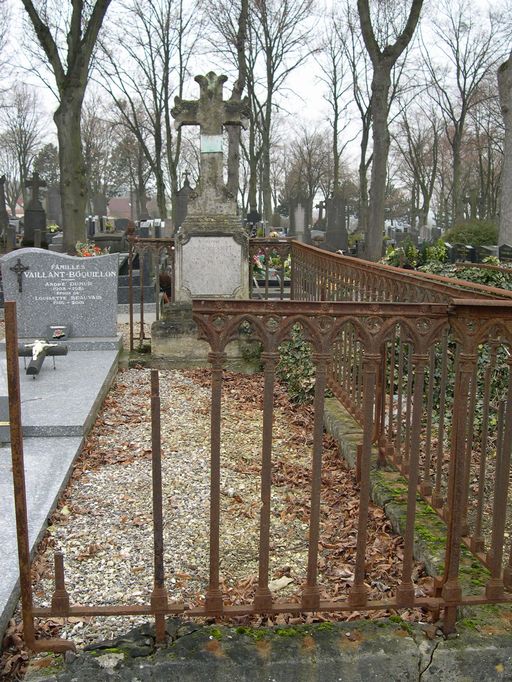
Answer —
(146, 248)
(422, 362)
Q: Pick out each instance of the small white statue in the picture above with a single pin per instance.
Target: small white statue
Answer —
(39, 346)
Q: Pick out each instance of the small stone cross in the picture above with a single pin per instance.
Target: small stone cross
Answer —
(210, 112)
(35, 184)
(19, 269)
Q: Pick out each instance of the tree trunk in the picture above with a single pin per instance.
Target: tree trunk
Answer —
(457, 199)
(379, 105)
(73, 186)
(363, 183)
(505, 93)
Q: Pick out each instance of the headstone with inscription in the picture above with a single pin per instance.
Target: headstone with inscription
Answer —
(57, 289)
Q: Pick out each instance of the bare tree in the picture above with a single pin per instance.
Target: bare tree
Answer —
(68, 47)
(383, 60)
(417, 140)
(156, 40)
(473, 46)
(334, 66)
(98, 139)
(282, 37)
(22, 125)
(10, 168)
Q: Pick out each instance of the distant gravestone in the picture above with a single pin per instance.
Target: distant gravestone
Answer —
(336, 237)
(299, 222)
(457, 253)
(35, 216)
(120, 224)
(4, 216)
(57, 243)
(53, 205)
(505, 252)
(182, 199)
(482, 252)
(57, 289)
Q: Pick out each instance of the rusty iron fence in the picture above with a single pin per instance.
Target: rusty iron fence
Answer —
(147, 249)
(422, 362)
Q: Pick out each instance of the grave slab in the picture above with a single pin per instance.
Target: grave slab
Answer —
(59, 402)
(58, 409)
(48, 464)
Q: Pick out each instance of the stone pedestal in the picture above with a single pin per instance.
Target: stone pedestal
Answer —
(34, 219)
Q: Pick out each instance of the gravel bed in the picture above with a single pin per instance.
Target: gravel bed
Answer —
(103, 524)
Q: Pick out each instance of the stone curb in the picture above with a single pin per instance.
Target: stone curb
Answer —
(381, 651)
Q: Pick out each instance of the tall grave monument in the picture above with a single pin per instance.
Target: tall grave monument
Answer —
(34, 233)
(211, 257)
(211, 246)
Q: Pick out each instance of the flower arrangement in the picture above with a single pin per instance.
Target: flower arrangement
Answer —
(88, 249)
(52, 228)
(275, 262)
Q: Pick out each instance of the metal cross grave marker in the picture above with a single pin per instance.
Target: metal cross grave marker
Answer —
(19, 269)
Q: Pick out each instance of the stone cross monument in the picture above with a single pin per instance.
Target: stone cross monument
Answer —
(34, 231)
(211, 246)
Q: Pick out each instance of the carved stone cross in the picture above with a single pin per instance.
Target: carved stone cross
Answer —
(210, 112)
(19, 269)
(35, 184)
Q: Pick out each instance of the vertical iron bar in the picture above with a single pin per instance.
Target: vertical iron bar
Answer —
(399, 395)
(311, 592)
(130, 291)
(425, 477)
(477, 541)
(141, 284)
(469, 450)
(159, 594)
(405, 591)
(437, 497)
(451, 590)
(358, 594)
(263, 596)
(214, 604)
(495, 588)
(18, 471)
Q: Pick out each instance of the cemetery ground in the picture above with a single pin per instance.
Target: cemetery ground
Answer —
(103, 519)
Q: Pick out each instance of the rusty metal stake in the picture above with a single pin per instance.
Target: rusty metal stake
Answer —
(20, 495)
